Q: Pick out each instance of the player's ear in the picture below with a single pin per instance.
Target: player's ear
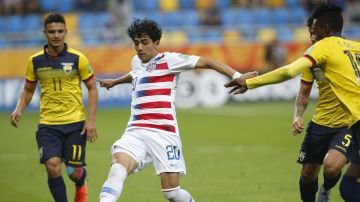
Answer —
(157, 42)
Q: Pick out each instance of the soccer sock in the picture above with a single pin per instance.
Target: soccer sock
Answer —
(331, 182)
(350, 189)
(177, 195)
(308, 190)
(57, 189)
(112, 187)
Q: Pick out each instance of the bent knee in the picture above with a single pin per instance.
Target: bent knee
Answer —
(75, 173)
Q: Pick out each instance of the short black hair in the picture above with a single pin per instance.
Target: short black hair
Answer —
(330, 14)
(309, 21)
(144, 27)
(54, 17)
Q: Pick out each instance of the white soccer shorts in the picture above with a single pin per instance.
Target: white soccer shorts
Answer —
(146, 146)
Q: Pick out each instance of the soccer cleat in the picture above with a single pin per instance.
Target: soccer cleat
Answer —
(324, 195)
(81, 193)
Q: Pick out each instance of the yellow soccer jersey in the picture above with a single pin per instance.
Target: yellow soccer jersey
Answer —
(60, 89)
(329, 111)
(340, 60)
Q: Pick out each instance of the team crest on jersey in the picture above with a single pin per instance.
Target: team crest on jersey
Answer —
(67, 67)
(151, 66)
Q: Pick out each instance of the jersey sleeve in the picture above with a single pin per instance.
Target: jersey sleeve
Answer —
(179, 62)
(307, 76)
(320, 51)
(30, 72)
(85, 69)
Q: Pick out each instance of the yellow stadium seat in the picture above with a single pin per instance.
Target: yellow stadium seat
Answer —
(174, 38)
(266, 35)
(169, 5)
(72, 20)
(204, 4)
(301, 35)
(231, 36)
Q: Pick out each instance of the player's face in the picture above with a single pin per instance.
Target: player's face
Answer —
(318, 31)
(55, 34)
(145, 48)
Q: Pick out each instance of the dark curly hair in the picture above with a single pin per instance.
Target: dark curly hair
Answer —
(54, 17)
(329, 14)
(144, 27)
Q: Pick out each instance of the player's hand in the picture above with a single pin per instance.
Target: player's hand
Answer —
(90, 130)
(297, 126)
(106, 83)
(239, 84)
(15, 118)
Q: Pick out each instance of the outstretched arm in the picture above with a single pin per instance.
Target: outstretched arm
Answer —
(109, 83)
(301, 103)
(24, 100)
(206, 63)
(279, 75)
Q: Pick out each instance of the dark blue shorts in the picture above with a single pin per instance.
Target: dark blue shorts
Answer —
(64, 141)
(355, 147)
(319, 139)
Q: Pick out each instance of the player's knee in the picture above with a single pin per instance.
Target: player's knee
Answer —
(171, 194)
(308, 176)
(75, 173)
(332, 171)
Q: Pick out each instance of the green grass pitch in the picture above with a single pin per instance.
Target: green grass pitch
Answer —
(242, 152)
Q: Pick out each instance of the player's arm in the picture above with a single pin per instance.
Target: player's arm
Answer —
(279, 75)
(301, 103)
(206, 63)
(90, 123)
(109, 83)
(23, 102)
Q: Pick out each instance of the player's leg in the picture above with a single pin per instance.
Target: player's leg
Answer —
(335, 159)
(166, 151)
(350, 184)
(129, 154)
(50, 148)
(171, 188)
(312, 153)
(308, 182)
(74, 158)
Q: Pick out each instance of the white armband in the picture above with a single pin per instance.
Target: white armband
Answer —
(236, 75)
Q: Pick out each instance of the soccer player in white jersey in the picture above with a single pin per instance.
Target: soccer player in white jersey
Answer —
(152, 134)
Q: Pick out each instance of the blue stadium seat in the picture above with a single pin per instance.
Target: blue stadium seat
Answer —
(86, 20)
(102, 19)
(187, 4)
(171, 19)
(280, 16)
(262, 17)
(14, 23)
(47, 5)
(352, 33)
(212, 36)
(284, 34)
(223, 3)
(148, 5)
(298, 16)
(236, 17)
(66, 6)
(293, 4)
(33, 22)
(190, 17)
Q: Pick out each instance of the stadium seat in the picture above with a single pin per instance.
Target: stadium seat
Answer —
(47, 5)
(174, 38)
(204, 4)
(190, 17)
(169, 5)
(298, 16)
(231, 36)
(280, 16)
(212, 36)
(236, 17)
(266, 34)
(352, 33)
(33, 22)
(262, 17)
(293, 4)
(171, 19)
(223, 3)
(187, 4)
(14, 24)
(285, 34)
(301, 34)
(66, 6)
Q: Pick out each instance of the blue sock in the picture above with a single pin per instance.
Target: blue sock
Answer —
(308, 190)
(350, 189)
(331, 182)
(57, 189)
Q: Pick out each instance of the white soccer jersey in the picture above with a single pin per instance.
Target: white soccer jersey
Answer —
(154, 90)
